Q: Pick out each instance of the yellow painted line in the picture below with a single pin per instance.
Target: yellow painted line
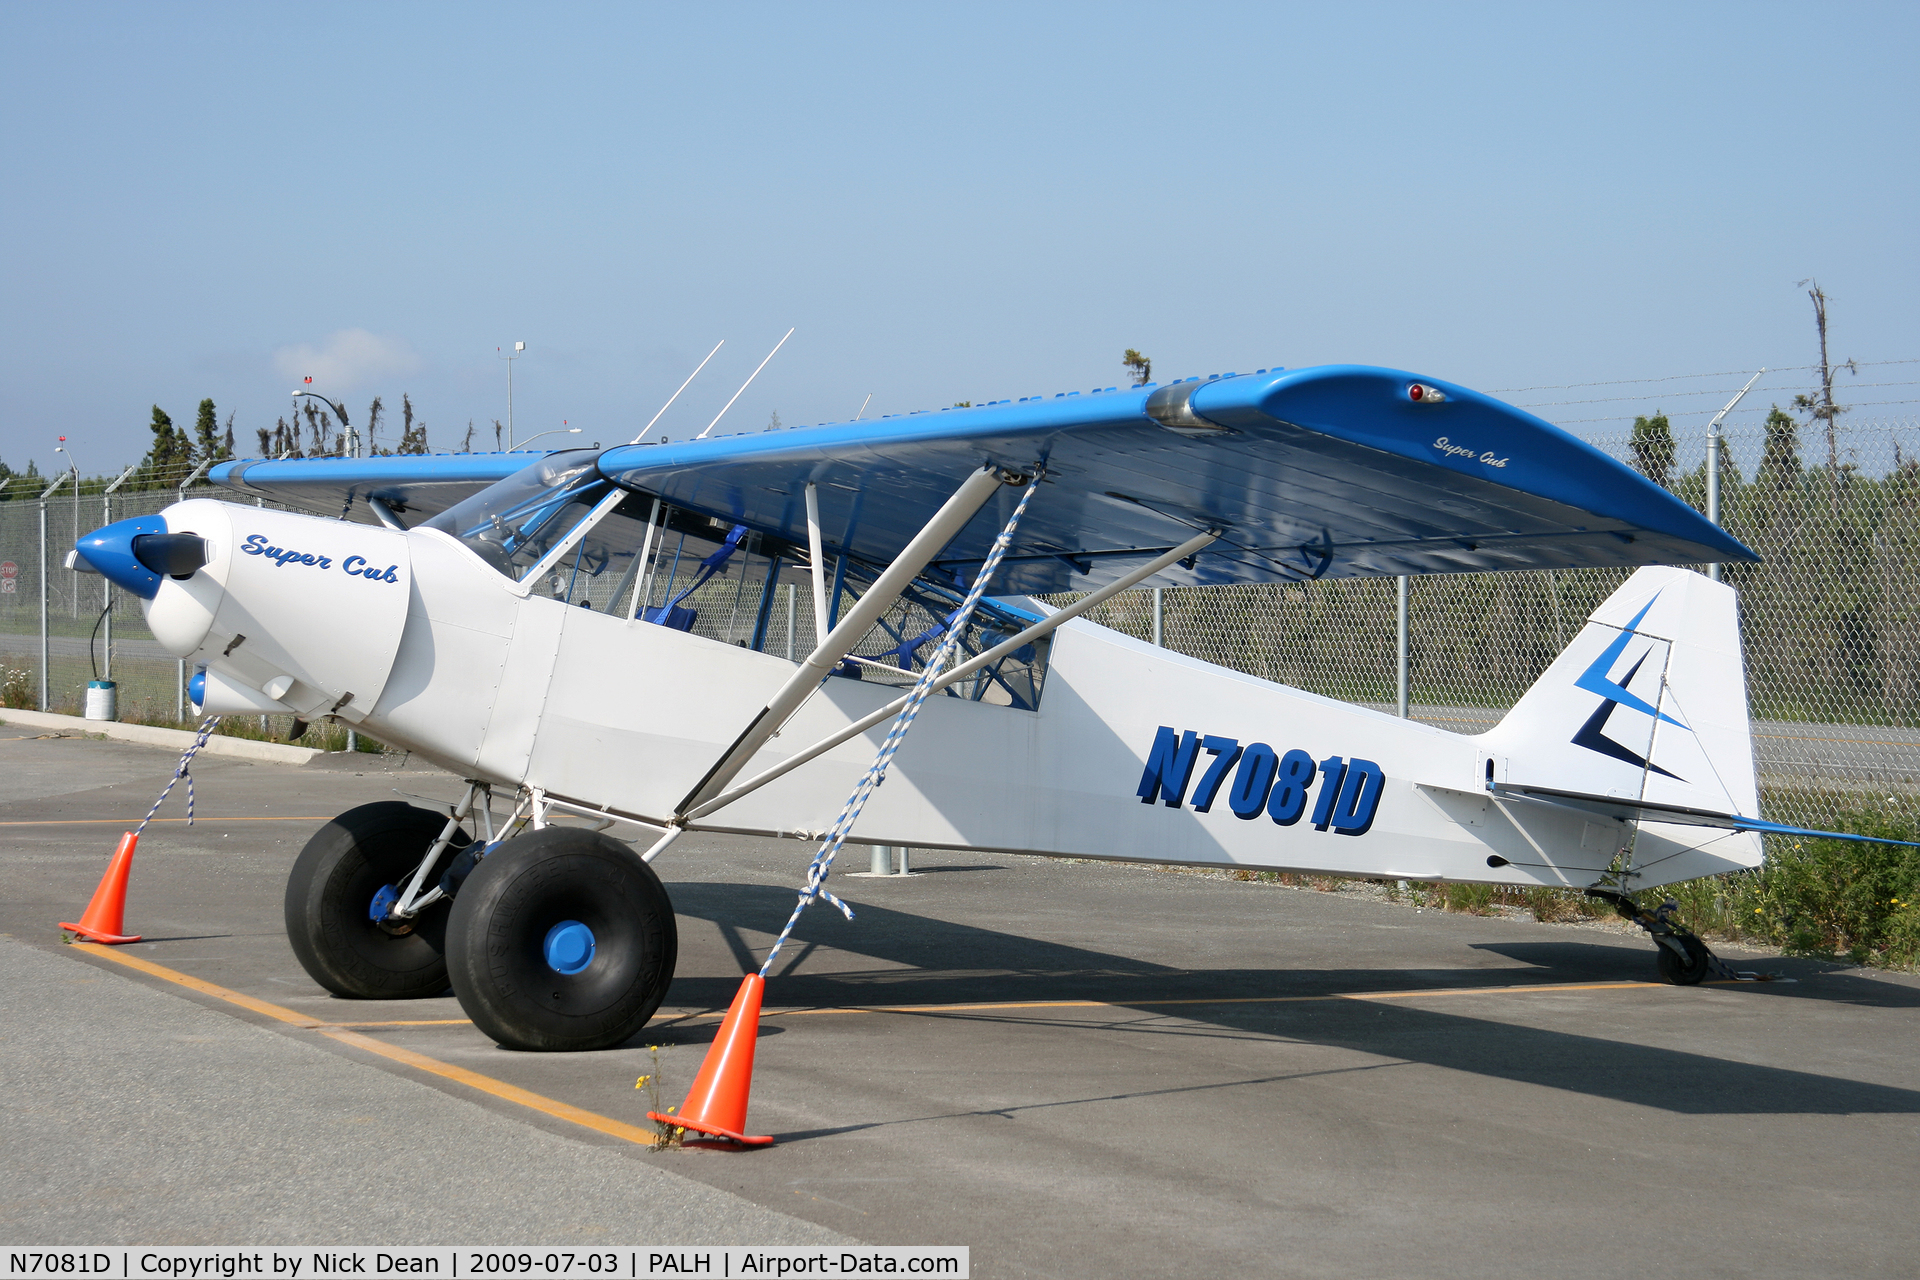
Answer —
(424, 1022)
(1496, 991)
(1523, 988)
(134, 822)
(496, 1088)
(472, 1079)
(192, 983)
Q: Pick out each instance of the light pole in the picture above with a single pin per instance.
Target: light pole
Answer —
(572, 431)
(340, 409)
(75, 468)
(518, 347)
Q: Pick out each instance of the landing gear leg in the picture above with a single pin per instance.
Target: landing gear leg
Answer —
(332, 925)
(1683, 959)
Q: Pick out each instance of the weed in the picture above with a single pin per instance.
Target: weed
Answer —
(1472, 899)
(16, 684)
(667, 1135)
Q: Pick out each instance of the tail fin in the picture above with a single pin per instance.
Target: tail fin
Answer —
(1649, 702)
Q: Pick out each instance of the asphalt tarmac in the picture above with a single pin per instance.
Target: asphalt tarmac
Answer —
(1075, 1069)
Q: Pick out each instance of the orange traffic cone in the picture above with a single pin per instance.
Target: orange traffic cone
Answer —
(105, 915)
(717, 1103)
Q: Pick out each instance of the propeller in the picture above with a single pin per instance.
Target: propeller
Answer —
(176, 555)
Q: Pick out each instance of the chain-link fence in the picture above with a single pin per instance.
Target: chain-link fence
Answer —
(59, 629)
(1831, 616)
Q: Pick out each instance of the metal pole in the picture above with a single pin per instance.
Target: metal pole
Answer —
(881, 862)
(106, 593)
(180, 692)
(1400, 646)
(1159, 617)
(791, 591)
(106, 587)
(1713, 485)
(1713, 462)
(75, 574)
(43, 604)
(509, 413)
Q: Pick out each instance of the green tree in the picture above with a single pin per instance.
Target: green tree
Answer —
(1652, 448)
(171, 450)
(1138, 366)
(1780, 459)
(206, 433)
(413, 436)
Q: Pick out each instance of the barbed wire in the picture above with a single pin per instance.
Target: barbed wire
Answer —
(1681, 377)
(1717, 391)
(1741, 413)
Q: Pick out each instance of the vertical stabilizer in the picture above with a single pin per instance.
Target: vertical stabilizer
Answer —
(1649, 702)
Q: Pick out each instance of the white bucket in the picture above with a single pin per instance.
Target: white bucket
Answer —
(102, 700)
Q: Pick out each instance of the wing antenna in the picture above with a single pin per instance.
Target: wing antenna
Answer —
(743, 386)
(676, 395)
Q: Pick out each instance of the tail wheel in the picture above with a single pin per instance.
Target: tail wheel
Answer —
(330, 892)
(561, 939)
(1688, 972)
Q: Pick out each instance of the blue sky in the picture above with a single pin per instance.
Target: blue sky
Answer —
(948, 203)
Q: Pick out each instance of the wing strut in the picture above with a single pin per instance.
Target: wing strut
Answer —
(946, 523)
(818, 568)
(1044, 627)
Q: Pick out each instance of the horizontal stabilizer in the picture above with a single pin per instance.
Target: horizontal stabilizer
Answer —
(1627, 810)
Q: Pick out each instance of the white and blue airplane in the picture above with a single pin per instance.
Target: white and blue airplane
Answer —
(525, 622)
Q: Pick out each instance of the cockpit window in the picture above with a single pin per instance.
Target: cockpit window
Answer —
(515, 522)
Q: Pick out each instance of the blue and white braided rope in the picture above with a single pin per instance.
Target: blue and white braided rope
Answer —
(850, 813)
(181, 771)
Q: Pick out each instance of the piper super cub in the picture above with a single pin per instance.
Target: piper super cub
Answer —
(597, 633)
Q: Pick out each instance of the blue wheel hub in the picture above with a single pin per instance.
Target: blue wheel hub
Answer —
(569, 947)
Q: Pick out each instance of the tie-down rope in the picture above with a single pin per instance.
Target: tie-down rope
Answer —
(181, 771)
(957, 624)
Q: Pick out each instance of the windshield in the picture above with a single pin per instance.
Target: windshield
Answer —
(512, 524)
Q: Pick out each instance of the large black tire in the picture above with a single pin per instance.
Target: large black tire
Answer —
(497, 935)
(332, 885)
(1685, 973)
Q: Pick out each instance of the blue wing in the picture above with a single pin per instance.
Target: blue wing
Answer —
(1326, 472)
(1333, 471)
(414, 486)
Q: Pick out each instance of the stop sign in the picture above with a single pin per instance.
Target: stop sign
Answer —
(8, 569)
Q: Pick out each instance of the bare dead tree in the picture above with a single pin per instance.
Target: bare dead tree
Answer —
(1820, 406)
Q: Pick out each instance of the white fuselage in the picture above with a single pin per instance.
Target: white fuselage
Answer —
(447, 657)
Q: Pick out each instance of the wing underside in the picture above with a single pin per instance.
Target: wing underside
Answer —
(1317, 473)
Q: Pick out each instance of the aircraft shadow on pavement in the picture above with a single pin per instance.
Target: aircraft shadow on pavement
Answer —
(1837, 984)
(951, 963)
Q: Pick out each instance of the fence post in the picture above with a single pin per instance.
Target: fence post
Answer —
(43, 602)
(1159, 616)
(1400, 644)
(1714, 446)
(1713, 485)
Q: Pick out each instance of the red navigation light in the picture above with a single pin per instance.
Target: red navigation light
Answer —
(1421, 393)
